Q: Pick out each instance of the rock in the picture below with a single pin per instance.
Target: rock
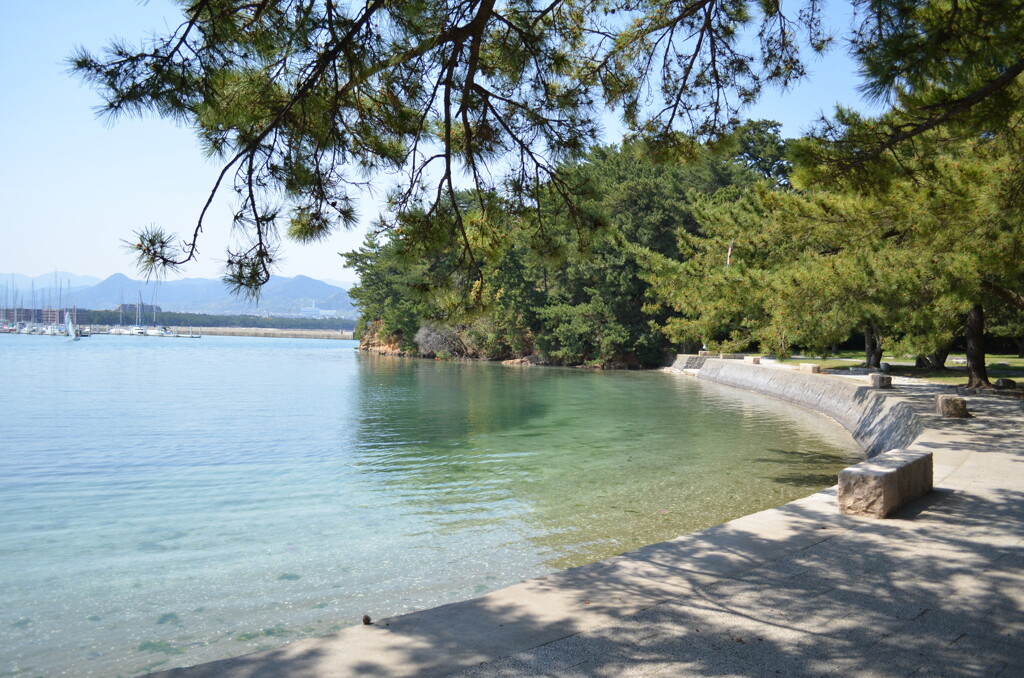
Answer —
(1005, 383)
(885, 367)
(527, 361)
(878, 487)
(373, 342)
(951, 406)
(880, 380)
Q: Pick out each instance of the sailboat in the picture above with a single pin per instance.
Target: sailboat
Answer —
(157, 330)
(70, 325)
(137, 329)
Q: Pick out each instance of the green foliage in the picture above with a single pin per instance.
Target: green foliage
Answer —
(582, 300)
(949, 66)
(785, 269)
(385, 293)
(897, 224)
(303, 101)
(308, 103)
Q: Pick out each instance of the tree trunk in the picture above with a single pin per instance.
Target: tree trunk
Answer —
(977, 375)
(872, 346)
(937, 360)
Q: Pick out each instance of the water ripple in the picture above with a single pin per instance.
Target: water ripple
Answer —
(243, 492)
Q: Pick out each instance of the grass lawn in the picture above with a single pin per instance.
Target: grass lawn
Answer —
(999, 366)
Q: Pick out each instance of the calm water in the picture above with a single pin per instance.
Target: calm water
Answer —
(170, 501)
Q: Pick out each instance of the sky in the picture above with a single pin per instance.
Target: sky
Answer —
(73, 186)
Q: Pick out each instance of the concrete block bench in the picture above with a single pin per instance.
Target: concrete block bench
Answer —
(879, 380)
(879, 486)
(951, 406)
(812, 368)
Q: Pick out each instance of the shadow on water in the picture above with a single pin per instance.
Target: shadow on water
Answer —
(596, 463)
(797, 468)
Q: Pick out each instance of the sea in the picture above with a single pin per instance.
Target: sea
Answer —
(169, 501)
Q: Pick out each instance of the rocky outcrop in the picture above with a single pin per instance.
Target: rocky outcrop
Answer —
(527, 361)
(372, 342)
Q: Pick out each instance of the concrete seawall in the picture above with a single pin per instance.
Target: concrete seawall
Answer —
(878, 421)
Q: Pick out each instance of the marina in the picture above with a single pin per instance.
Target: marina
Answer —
(70, 329)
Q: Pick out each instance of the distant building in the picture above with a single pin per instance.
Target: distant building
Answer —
(55, 316)
(314, 312)
(45, 316)
(147, 309)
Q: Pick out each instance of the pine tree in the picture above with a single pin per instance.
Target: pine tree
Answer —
(308, 101)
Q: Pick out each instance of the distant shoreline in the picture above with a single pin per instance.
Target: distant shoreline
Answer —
(273, 332)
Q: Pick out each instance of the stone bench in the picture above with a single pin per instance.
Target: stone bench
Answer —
(879, 380)
(951, 406)
(813, 368)
(879, 486)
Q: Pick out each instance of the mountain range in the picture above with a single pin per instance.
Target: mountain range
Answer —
(190, 295)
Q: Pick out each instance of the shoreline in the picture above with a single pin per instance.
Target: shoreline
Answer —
(274, 332)
(540, 625)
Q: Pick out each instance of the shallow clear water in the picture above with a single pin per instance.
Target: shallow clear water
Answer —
(170, 501)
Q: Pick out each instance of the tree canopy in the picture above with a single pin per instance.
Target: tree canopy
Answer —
(586, 302)
(308, 101)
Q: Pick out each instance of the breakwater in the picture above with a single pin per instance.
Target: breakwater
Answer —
(277, 333)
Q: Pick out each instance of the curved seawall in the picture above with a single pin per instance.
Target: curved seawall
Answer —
(877, 422)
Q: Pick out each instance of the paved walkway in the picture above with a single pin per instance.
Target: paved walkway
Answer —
(796, 591)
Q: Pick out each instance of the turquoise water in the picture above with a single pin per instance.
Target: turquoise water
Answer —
(170, 501)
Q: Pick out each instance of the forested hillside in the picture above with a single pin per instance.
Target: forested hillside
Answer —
(750, 244)
(574, 296)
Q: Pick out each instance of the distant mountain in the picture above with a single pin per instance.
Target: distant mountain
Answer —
(343, 284)
(198, 295)
(57, 279)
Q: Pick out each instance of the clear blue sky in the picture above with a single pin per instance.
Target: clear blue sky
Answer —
(73, 186)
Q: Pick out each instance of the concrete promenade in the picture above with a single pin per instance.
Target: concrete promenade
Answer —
(799, 590)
